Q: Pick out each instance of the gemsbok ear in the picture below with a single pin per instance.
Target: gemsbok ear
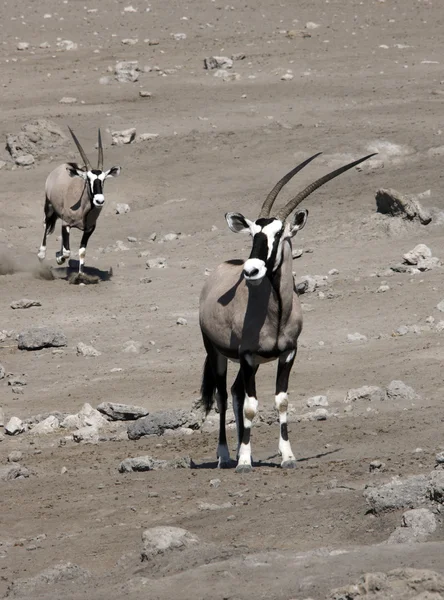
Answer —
(238, 223)
(299, 221)
(113, 172)
(75, 171)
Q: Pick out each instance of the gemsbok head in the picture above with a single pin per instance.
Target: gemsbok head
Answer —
(250, 313)
(74, 194)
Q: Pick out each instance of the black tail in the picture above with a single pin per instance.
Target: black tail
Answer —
(50, 217)
(208, 386)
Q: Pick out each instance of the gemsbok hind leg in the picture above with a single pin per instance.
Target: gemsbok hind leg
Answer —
(64, 252)
(248, 370)
(49, 224)
(283, 374)
(215, 381)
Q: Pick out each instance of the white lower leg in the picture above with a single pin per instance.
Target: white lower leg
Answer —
(82, 254)
(42, 253)
(250, 410)
(284, 445)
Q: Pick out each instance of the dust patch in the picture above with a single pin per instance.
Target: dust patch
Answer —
(10, 265)
(78, 278)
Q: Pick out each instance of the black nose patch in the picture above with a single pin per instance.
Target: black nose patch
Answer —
(97, 187)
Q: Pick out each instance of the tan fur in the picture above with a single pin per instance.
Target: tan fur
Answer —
(240, 318)
(69, 198)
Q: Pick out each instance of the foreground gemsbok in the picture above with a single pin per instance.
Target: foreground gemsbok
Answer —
(74, 194)
(250, 313)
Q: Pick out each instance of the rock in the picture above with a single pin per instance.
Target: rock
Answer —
(418, 252)
(169, 237)
(85, 350)
(439, 458)
(86, 417)
(148, 463)
(309, 283)
(287, 77)
(145, 94)
(417, 525)
(122, 412)
(15, 456)
(427, 264)
(376, 465)
(179, 36)
(49, 425)
(122, 209)
(317, 401)
(397, 391)
(13, 472)
(67, 45)
(23, 46)
(156, 423)
(226, 75)
(88, 435)
(26, 160)
(391, 202)
(181, 321)
(132, 347)
(40, 337)
(383, 288)
(25, 303)
(356, 337)
(440, 306)
(125, 136)
(161, 540)
(67, 100)
(39, 586)
(367, 393)
(210, 506)
(436, 486)
(156, 263)
(14, 426)
(147, 137)
(398, 494)
(127, 71)
(38, 137)
(2, 417)
(218, 62)
(2, 372)
(311, 25)
(215, 483)
(129, 41)
(13, 381)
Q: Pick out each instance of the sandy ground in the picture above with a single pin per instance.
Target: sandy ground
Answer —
(369, 77)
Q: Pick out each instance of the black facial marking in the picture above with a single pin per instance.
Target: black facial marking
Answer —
(96, 172)
(260, 247)
(263, 222)
(284, 432)
(272, 259)
(97, 187)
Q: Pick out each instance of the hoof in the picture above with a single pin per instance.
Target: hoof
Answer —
(41, 256)
(60, 260)
(289, 464)
(224, 464)
(244, 469)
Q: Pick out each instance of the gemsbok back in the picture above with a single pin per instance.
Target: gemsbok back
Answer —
(74, 194)
(250, 313)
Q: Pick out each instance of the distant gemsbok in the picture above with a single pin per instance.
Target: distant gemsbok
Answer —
(250, 313)
(74, 194)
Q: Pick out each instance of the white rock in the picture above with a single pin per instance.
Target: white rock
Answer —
(218, 62)
(317, 401)
(132, 347)
(159, 540)
(418, 252)
(179, 36)
(67, 100)
(287, 77)
(398, 391)
(25, 160)
(126, 136)
(104, 80)
(88, 435)
(122, 209)
(147, 137)
(356, 337)
(22, 46)
(383, 288)
(130, 9)
(427, 264)
(181, 321)
(85, 350)
(440, 306)
(14, 426)
(44, 45)
(2, 417)
(169, 237)
(67, 45)
(46, 426)
(156, 263)
(227, 75)
(130, 41)
(145, 94)
(127, 71)
(311, 25)
(366, 393)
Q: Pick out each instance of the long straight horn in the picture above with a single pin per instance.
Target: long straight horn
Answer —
(269, 201)
(100, 160)
(294, 202)
(80, 149)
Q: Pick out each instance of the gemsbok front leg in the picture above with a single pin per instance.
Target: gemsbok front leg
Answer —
(248, 370)
(64, 252)
(283, 374)
(82, 250)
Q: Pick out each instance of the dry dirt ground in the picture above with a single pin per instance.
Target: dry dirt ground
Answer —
(369, 76)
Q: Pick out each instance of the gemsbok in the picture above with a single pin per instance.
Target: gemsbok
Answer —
(250, 313)
(74, 194)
